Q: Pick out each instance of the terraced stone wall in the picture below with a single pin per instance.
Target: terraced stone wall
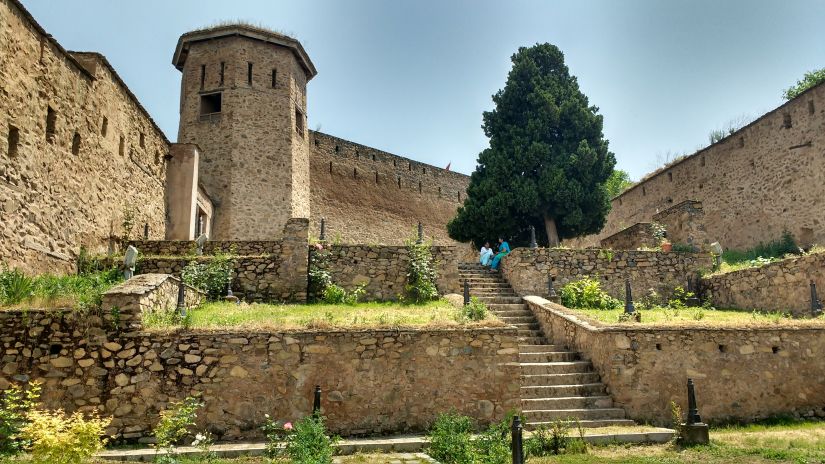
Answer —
(528, 270)
(373, 381)
(742, 373)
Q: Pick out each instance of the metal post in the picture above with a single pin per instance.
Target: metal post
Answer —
(693, 412)
(420, 239)
(323, 235)
(146, 231)
(466, 293)
(182, 299)
(628, 298)
(316, 404)
(533, 243)
(816, 305)
(516, 442)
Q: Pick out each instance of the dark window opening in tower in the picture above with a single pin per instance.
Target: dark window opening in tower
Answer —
(211, 103)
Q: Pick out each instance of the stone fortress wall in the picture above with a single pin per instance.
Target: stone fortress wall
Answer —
(371, 196)
(753, 184)
(77, 149)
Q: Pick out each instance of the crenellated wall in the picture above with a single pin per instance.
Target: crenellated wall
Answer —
(373, 197)
(753, 184)
(66, 179)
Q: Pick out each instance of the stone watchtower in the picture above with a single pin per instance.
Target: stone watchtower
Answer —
(243, 103)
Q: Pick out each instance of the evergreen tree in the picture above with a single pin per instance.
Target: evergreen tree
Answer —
(547, 162)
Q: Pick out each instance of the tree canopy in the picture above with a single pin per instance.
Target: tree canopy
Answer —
(547, 162)
(618, 182)
(810, 79)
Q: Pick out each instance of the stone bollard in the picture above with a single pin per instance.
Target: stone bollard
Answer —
(694, 431)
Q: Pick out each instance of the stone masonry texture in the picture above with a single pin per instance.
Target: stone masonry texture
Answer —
(753, 184)
(740, 373)
(69, 187)
(527, 270)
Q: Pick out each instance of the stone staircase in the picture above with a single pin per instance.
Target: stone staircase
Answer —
(555, 383)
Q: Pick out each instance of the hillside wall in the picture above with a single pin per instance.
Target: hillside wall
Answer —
(753, 184)
(368, 196)
(68, 187)
(740, 373)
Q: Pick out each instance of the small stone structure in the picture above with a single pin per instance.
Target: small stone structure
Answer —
(373, 381)
(684, 224)
(780, 286)
(641, 235)
(740, 373)
(528, 270)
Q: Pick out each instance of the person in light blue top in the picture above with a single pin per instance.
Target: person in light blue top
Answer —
(503, 250)
(486, 254)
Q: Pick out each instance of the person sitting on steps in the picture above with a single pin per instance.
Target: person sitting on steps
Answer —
(503, 250)
(486, 254)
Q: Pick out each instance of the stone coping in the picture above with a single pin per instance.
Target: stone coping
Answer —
(141, 284)
(593, 326)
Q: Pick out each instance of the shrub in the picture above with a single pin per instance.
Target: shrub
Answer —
(421, 274)
(335, 294)
(450, 439)
(475, 311)
(587, 294)
(211, 277)
(492, 446)
(15, 286)
(810, 79)
(15, 404)
(554, 440)
(319, 277)
(57, 438)
(305, 442)
(176, 423)
(778, 248)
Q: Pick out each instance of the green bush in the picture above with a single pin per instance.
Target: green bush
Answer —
(211, 277)
(15, 405)
(176, 423)
(305, 442)
(58, 438)
(421, 273)
(450, 439)
(554, 440)
(335, 294)
(15, 287)
(475, 311)
(319, 277)
(587, 293)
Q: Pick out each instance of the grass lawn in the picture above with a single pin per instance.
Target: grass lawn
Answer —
(699, 317)
(256, 316)
(82, 292)
(791, 443)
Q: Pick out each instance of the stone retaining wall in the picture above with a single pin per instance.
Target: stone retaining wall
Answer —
(527, 269)
(636, 236)
(781, 286)
(740, 373)
(383, 269)
(374, 381)
(188, 247)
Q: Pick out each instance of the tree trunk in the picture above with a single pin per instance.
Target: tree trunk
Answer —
(552, 233)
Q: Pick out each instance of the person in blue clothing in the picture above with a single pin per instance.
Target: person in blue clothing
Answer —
(503, 250)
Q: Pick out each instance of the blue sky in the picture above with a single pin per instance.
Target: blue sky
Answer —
(413, 78)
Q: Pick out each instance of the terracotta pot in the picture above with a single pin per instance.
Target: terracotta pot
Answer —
(667, 246)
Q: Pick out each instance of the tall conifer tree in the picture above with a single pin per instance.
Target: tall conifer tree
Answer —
(547, 162)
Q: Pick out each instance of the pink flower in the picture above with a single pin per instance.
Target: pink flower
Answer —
(288, 426)
(319, 247)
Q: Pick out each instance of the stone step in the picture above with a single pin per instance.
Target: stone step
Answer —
(564, 367)
(567, 402)
(532, 325)
(566, 378)
(588, 424)
(531, 340)
(540, 348)
(509, 307)
(529, 333)
(548, 415)
(548, 356)
(500, 299)
(518, 319)
(483, 293)
(557, 391)
(500, 314)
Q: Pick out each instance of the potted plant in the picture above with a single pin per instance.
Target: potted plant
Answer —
(666, 245)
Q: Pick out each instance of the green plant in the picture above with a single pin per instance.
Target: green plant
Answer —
(476, 310)
(810, 79)
(305, 442)
(764, 252)
(684, 248)
(658, 231)
(175, 424)
(676, 422)
(554, 440)
(15, 405)
(15, 286)
(680, 298)
(587, 293)
(492, 445)
(605, 254)
(86, 263)
(698, 314)
(57, 438)
(450, 439)
(212, 277)
(319, 276)
(635, 316)
(421, 273)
